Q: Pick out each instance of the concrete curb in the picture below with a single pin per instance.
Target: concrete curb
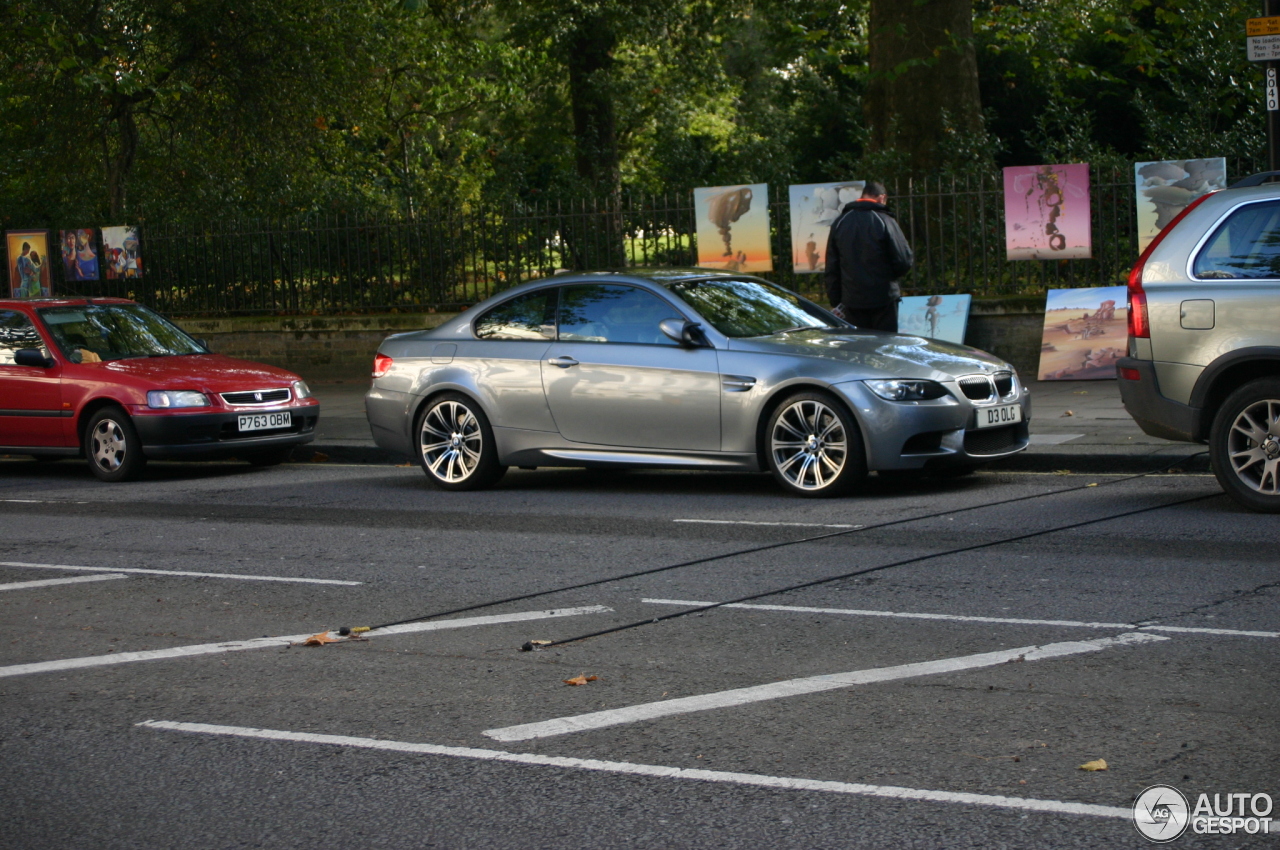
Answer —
(1125, 463)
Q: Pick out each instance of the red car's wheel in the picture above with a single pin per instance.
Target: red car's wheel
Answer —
(113, 447)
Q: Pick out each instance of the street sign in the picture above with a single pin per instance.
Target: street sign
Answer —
(1264, 48)
(1273, 97)
(1262, 26)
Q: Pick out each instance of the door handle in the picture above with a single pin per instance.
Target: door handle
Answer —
(563, 362)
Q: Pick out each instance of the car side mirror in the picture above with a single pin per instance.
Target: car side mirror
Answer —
(686, 333)
(31, 357)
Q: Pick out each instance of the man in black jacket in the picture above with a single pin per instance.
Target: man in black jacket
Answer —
(866, 254)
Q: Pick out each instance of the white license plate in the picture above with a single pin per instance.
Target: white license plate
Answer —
(1005, 414)
(265, 421)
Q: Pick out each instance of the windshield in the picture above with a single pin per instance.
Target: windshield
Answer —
(96, 333)
(739, 308)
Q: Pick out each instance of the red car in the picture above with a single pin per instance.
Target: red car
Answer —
(109, 379)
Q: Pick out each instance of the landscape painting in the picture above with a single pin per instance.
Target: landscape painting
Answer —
(1165, 188)
(1085, 333)
(814, 208)
(29, 265)
(733, 228)
(1046, 212)
(120, 252)
(944, 317)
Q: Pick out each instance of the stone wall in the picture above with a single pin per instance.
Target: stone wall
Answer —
(341, 348)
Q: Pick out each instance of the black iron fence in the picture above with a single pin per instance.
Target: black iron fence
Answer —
(452, 257)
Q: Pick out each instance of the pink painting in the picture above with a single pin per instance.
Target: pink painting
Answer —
(1046, 212)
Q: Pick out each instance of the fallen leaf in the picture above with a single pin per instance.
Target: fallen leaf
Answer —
(318, 639)
(540, 642)
(319, 457)
(581, 679)
(1068, 413)
(1096, 764)
(404, 464)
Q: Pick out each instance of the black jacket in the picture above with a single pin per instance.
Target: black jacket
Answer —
(866, 254)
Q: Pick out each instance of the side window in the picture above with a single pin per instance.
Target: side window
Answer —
(530, 316)
(1245, 246)
(604, 313)
(16, 331)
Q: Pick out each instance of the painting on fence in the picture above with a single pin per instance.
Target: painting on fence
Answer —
(733, 228)
(79, 254)
(1046, 212)
(814, 208)
(120, 252)
(943, 317)
(1085, 333)
(1165, 188)
(29, 270)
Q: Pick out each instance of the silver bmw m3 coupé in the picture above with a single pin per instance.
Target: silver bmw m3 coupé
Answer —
(685, 369)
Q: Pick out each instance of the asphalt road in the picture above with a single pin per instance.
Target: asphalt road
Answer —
(944, 702)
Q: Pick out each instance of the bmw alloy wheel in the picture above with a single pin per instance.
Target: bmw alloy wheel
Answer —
(455, 444)
(809, 445)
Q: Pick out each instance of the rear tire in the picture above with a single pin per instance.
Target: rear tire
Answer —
(113, 447)
(456, 448)
(814, 447)
(1244, 445)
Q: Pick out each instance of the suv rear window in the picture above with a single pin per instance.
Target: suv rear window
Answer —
(1244, 247)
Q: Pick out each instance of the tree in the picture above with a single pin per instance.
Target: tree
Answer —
(923, 77)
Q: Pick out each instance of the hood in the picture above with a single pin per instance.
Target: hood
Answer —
(212, 372)
(877, 354)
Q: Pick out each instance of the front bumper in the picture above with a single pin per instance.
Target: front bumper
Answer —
(1155, 414)
(931, 434)
(213, 435)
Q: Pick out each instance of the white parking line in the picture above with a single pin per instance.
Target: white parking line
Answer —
(50, 582)
(807, 685)
(1012, 621)
(42, 502)
(752, 522)
(185, 573)
(784, 783)
(280, 642)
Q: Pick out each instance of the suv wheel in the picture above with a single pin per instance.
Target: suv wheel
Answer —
(1244, 445)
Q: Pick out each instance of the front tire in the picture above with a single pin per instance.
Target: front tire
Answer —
(456, 448)
(1244, 445)
(113, 447)
(814, 446)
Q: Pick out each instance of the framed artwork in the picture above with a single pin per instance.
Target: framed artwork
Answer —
(29, 263)
(79, 254)
(733, 228)
(1085, 333)
(1046, 212)
(944, 317)
(814, 208)
(1165, 188)
(120, 252)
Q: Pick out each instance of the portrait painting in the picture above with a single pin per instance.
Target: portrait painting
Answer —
(733, 228)
(120, 252)
(30, 269)
(79, 254)
(1163, 189)
(814, 208)
(1046, 212)
(1085, 333)
(944, 317)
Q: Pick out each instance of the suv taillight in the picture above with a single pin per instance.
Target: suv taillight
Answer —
(1139, 320)
(381, 365)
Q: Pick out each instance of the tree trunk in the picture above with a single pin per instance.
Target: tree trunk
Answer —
(924, 77)
(119, 162)
(590, 60)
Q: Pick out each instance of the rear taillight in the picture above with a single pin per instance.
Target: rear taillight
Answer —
(381, 365)
(1139, 320)
(1130, 374)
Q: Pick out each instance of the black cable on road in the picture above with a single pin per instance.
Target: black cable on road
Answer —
(863, 572)
(762, 548)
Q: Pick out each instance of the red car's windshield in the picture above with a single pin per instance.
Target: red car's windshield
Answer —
(99, 332)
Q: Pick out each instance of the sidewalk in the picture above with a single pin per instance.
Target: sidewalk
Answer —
(1075, 425)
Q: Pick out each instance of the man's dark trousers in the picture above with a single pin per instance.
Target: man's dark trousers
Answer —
(875, 318)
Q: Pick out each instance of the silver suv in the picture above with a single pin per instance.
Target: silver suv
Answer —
(1204, 336)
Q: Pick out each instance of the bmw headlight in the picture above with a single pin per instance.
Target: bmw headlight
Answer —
(176, 398)
(907, 389)
(301, 390)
